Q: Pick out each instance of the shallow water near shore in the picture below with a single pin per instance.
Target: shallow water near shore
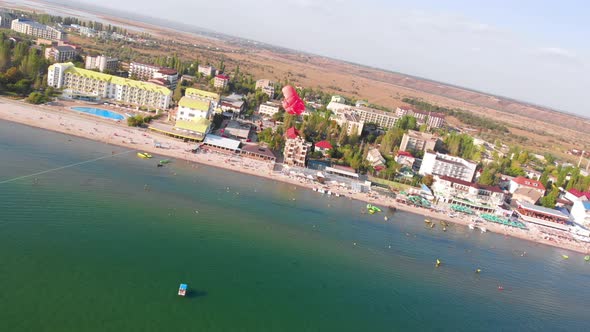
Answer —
(103, 246)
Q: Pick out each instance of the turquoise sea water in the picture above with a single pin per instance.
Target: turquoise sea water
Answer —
(92, 248)
(100, 112)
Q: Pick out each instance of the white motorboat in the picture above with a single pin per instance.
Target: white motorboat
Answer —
(471, 226)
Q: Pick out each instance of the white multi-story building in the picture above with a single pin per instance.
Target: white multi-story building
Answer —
(381, 118)
(102, 63)
(207, 70)
(91, 83)
(435, 163)
(338, 107)
(431, 119)
(350, 121)
(476, 196)
(221, 81)
(190, 109)
(144, 72)
(296, 148)
(375, 158)
(87, 32)
(581, 208)
(60, 53)
(267, 86)
(167, 74)
(418, 141)
(35, 29)
(269, 108)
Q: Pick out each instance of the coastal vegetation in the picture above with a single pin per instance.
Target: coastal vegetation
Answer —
(23, 69)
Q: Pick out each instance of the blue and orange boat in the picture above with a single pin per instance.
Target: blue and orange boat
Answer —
(182, 289)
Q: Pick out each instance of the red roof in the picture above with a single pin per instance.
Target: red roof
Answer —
(579, 194)
(292, 133)
(405, 154)
(168, 71)
(521, 180)
(323, 145)
(223, 77)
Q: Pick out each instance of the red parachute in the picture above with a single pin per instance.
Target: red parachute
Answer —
(292, 102)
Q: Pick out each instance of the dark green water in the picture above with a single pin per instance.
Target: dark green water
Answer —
(86, 248)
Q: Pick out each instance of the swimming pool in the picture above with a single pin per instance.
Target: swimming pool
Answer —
(99, 112)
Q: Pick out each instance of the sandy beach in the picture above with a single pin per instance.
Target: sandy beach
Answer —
(60, 118)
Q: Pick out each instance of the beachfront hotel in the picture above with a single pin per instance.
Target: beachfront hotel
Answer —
(296, 148)
(191, 109)
(435, 163)
(473, 195)
(103, 86)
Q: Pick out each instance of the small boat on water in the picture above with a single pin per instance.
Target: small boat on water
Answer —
(165, 161)
(471, 226)
(182, 289)
(565, 256)
(587, 258)
(438, 262)
(483, 229)
(427, 221)
(144, 155)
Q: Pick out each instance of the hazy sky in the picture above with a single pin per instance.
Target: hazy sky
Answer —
(537, 51)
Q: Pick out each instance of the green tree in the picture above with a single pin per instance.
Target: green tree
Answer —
(177, 93)
(135, 121)
(36, 98)
(550, 200)
(487, 177)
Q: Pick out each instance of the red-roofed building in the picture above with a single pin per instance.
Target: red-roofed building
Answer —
(574, 194)
(292, 133)
(522, 182)
(296, 148)
(323, 147)
(405, 158)
(221, 81)
(473, 195)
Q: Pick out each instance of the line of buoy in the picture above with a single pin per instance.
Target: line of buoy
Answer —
(63, 167)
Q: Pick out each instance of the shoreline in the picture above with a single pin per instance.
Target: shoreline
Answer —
(63, 120)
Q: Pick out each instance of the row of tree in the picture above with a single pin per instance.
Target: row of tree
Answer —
(465, 117)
